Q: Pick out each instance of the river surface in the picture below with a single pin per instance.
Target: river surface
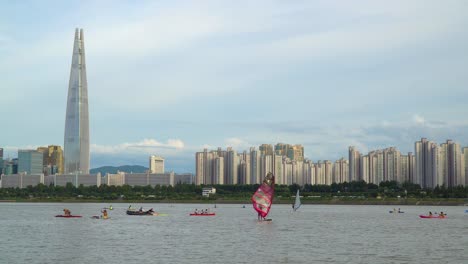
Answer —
(29, 233)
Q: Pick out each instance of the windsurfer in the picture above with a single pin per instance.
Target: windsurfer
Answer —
(260, 217)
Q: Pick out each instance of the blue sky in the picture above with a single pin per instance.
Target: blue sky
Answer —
(173, 77)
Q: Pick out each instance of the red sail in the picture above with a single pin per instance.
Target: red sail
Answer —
(263, 197)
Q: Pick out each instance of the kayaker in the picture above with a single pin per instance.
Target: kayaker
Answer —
(66, 212)
(141, 209)
(196, 211)
(430, 213)
(441, 214)
(104, 214)
(399, 210)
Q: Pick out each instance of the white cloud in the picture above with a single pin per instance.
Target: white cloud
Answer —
(147, 146)
(237, 143)
(419, 120)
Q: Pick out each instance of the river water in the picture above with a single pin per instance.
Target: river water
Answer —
(29, 233)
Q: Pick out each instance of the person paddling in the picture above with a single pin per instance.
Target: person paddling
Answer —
(67, 212)
(104, 214)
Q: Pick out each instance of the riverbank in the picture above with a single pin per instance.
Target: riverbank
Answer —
(331, 201)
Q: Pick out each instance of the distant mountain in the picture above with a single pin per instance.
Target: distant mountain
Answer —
(111, 169)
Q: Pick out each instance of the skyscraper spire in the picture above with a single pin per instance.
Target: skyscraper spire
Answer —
(76, 141)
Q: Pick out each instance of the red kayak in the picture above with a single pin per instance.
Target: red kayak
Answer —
(68, 216)
(433, 216)
(208, 214)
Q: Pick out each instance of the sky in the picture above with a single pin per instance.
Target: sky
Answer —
(171, 78)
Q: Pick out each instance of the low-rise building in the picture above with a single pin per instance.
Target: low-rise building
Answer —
(207, 191)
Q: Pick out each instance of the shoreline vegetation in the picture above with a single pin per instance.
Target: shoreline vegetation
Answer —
(353, 193)
(340, 201)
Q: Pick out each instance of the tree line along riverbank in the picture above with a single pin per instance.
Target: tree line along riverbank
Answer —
(359, 192)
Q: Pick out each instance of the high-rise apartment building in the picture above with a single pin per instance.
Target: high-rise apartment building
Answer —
(266, 149)
(219, 170)
(156, 164)
(296, 153)
(1, 161)
(340, 171)
(255, 166)
(76, 142)
(465, 163)
(354, 164)
(364, 164)
(451, 171)
(392, 163)
(424, 174)
(30, 161)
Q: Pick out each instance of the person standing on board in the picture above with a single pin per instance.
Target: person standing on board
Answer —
(260, 217)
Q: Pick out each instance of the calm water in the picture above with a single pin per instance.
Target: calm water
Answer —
(29, 233)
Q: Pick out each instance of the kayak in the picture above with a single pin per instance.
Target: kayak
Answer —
(158, 214)
(68, 216)
(99, 217)
(209, 214)
(432, 216)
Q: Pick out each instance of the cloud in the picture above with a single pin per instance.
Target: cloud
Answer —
(146, 146)
(419, 120)
(237, 144)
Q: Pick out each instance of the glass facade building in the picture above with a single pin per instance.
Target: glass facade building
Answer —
(76, 141)
(30, 161)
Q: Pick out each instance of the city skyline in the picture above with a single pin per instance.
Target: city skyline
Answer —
(329, 76)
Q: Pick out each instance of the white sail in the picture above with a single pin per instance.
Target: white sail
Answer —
(297, 203)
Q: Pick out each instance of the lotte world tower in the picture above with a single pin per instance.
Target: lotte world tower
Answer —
(76, 141)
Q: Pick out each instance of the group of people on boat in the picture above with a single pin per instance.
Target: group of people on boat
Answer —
(441, 214)
(201, 212)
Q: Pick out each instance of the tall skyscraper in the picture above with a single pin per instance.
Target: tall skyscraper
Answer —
(76, 142)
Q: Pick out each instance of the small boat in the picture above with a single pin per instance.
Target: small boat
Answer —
(396, 212)
(138, 212)
(206, 214)
(69, 216)
(433, 216)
